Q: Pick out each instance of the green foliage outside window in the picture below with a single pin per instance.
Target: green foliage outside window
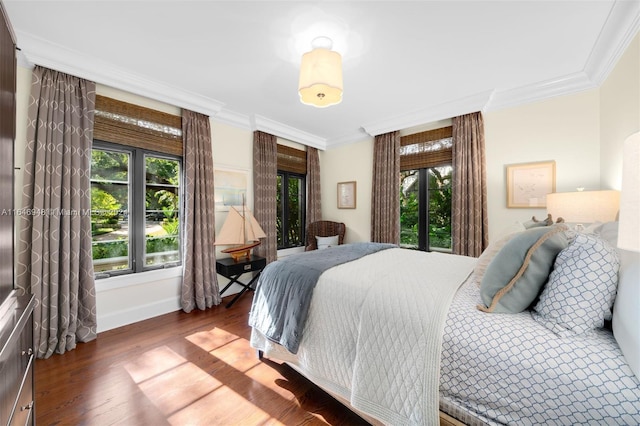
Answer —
(290, 213)
(439, 207)
(111, 188)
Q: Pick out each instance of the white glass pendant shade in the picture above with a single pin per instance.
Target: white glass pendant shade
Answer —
(320, 81)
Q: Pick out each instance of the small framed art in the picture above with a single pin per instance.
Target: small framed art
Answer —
(347, 195)
(529, 183)
(230, 187)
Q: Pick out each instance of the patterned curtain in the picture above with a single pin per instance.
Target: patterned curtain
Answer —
(314, 207)
(469, 205)
(265, 175)
(385, 195)
(54, 255)
(199, 279)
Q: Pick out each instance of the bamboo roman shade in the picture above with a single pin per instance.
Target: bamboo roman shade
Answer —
(292, 160)
(432, 148)
(140, 127)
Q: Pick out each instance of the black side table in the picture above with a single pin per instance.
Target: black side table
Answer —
(232, 270)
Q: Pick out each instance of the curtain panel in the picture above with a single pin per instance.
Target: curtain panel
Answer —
(54, 248)
(199, 279)
(385, 194)
(265, 185)
(314, 206)
(469, 220)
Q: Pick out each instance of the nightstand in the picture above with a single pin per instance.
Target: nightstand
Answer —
(232, 270)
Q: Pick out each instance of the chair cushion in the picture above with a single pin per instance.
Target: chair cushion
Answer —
(326, 242)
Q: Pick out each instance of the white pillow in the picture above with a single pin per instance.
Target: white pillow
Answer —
(581, 288)
(608, 231)
(326, 242)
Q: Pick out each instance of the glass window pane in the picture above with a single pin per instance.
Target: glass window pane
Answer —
(279, 212)
(296, 198)
(110, 210)
(162, 208)
(409, 208)
(440, 207)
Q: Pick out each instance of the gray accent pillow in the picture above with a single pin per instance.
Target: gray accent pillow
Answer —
(489, 253)
(581, 288)
(516, 275)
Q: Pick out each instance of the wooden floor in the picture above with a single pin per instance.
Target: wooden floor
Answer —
(179, 369)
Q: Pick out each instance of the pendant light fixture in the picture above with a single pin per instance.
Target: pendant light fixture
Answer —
(320, 81)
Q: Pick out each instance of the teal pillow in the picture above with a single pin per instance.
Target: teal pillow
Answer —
(515, 277)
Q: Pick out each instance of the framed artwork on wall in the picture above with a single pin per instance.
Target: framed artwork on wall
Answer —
(347, 195)
(529, 183)
(230, 187)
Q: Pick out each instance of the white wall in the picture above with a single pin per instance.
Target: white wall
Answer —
(353, 162)
(563, 129)
(619, 113)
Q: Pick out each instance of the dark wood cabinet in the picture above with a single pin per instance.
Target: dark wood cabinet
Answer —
(17, 361)
(7, 143)
(17, 406)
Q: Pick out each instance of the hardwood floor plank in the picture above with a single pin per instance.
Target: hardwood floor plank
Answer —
(179, 369)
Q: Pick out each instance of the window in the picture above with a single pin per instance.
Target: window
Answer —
(291, 197)
(425, 190)
(136, 172)
(290, 209)
(135, 214)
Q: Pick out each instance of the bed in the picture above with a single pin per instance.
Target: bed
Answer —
(407, 337)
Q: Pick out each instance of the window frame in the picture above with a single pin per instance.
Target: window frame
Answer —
(422, 152)
(424, 210)
(284, 192)
(137, 207)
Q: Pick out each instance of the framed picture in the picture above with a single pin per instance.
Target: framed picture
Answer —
(529, 183)
(347, 195)
(230, 188)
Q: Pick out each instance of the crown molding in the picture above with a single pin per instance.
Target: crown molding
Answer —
(276, 128)
(234, 119)
(359, 136)
(432, 113)
(617, 33)
(42, 52)
(538, 91)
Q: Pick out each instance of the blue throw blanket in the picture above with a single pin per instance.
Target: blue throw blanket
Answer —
(283, 294)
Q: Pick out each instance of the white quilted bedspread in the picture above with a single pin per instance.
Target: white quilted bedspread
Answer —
(374, 332)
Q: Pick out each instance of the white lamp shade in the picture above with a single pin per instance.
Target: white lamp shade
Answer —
(320, 81)
(629, 226)
(584, 207)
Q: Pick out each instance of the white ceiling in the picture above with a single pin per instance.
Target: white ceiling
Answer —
(404, 63)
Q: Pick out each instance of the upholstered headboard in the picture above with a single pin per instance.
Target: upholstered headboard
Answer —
(626, 310)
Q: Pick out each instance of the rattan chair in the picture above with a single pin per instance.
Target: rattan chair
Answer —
(324, 228)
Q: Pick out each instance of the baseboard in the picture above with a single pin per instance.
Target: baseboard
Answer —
(139, 313)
